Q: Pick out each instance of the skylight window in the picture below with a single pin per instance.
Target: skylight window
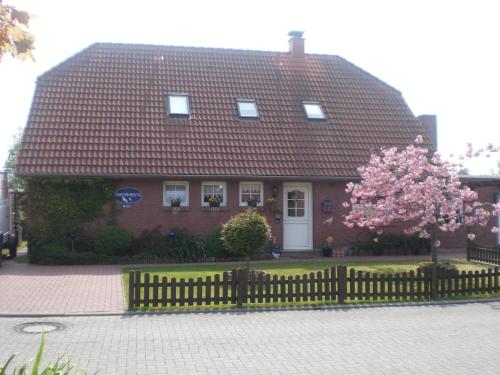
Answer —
(313, 111)
(247, 108)
(178, 105)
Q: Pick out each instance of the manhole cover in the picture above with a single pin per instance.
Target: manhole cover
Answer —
(39, 327)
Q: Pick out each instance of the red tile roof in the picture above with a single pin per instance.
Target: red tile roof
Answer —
(102, 112)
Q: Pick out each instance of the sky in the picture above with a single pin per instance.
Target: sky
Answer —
(444, 56)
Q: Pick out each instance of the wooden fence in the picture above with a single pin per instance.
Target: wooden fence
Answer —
(335, 285)
(489, 255)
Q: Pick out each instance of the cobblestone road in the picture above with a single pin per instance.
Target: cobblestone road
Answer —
(445, 339)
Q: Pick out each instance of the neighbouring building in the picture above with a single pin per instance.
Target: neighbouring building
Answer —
(184, 129)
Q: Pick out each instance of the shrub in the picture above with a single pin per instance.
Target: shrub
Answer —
(392, 244)
(113, 240)
(152, 244)
(186, 246)
(246, 234)
(215, 245)
(47, 250)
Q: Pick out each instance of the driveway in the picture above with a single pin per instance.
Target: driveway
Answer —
(442, 339)
(28, 289)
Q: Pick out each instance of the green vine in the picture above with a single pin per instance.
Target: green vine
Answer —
(57, 206)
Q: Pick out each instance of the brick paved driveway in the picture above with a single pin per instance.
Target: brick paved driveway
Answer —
(451, 339)
(26, 288)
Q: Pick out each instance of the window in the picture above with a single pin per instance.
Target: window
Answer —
(295, 203)
(247, 108)
(251, 192)
(178, 105)
(213, 191)
(176, 194)
(313, 111)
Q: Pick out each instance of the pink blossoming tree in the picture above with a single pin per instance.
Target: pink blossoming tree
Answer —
(418, 190)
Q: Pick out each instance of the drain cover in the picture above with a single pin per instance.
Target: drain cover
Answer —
(39, 327)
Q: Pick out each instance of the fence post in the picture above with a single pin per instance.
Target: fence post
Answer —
(434, 281)
(342, 283)
(242, 287)
(131, 290)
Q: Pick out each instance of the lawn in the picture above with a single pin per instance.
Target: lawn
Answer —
(289, 268)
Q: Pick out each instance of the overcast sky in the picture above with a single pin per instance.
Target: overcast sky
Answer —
(444, 56)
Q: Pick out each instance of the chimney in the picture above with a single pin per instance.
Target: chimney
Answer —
(429, 123)
(296, 43)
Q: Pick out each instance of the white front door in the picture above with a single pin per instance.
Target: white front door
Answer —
(297, 216)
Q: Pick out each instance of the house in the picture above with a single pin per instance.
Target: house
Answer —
(201, 127)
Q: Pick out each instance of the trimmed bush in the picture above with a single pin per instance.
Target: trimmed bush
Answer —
(392, 244)
(246, 234)
(113, 240)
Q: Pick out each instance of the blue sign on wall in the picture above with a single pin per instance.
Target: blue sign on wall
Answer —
(128, 196)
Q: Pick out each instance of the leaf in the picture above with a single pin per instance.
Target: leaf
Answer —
(4, 368)
(38, 358)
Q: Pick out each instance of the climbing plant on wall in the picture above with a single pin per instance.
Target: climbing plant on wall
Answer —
(57, 206)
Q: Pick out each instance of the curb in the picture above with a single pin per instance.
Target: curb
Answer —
(353, 306)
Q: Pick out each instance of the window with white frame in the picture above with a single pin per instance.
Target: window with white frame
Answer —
(251, 194)
(247, 108)
(178, 105)
(213, 193)
(176, 194)
(313, 111)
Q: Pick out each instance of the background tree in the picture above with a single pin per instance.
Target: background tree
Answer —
(15, 183)
(15, 38)
(418, 190)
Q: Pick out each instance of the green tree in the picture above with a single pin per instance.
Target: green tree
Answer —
(15, 183)
(15, 39)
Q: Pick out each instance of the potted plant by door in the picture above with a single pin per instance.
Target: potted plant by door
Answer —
(175, 202)
(327, 247)
(275, 249)
(213, 201)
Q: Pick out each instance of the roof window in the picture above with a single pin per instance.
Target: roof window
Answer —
(247, 108)
(178, 105)
(313, 111)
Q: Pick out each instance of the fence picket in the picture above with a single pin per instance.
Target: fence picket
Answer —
(225, 288)
(496, 277)
(367, 293)
(190, 299)
(412, 285)
(312, 289)
(404, 286)
(131, 290)
(275, 288)
(297, 288)
(397, 286)
(333, 283)
(359, 284)
(319, 286)
(476, 282)
(260, 287)
(146, 290)
(155, 290)
(490, 280)
(268, 288)
(282, 283)
(290, 288)
(208, 290)
(252, 287)
(137, 293)
(375, 286)
(234, 278)
(216, 288)
(389, 286)
(173, 289)
(182, 291)
(483, 282)
(304, 287)
(382, 287)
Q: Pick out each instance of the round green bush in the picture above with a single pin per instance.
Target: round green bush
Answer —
(246, 234)
(113, 240)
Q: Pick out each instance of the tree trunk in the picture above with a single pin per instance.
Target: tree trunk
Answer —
(434, 255)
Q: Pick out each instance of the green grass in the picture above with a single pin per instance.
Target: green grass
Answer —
(281, 268)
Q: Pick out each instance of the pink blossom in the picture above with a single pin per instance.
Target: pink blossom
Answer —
(437, 243)
(345, 205)
(375, 239)
(419, 140)
(495, 230)
(471, 236)
(380, 232)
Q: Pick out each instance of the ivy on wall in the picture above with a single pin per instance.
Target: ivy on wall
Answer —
(57, 206)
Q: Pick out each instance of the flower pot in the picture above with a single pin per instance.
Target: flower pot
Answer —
(175, 203)
(214, 204)
(326, 251)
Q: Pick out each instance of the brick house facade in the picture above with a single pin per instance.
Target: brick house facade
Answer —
(188, 123)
